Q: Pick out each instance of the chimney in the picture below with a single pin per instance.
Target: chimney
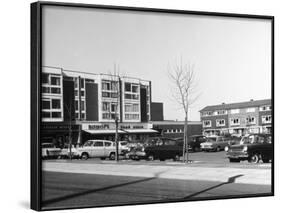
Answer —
(252, 100)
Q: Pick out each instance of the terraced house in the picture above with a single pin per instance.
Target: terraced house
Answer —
(254, 116)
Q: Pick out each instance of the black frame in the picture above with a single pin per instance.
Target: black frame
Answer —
(36, 52)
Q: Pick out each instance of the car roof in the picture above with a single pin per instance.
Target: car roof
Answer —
(95, 140)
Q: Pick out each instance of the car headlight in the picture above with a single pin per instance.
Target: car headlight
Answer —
(245, 148)
(226, 149)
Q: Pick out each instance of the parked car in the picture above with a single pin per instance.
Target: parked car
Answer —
(49, 150)
(124, 146)
(215, 143)
(136, 153)
(98, 149)
(252, 147)
(164, 148)
(65, 152)
(194, 142)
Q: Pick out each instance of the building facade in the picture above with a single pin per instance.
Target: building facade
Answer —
(253, 116)
(88, 105)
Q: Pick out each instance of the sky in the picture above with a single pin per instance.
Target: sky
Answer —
(231, 56)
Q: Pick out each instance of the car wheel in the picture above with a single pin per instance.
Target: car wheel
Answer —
(265, 160)
(112, 156)
(233, 160)
(218, 149)
(84, 156)
(150, 157)
(177, 158)
(196, 149)
(254, 158)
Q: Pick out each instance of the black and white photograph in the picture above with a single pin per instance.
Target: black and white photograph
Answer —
(141, 106)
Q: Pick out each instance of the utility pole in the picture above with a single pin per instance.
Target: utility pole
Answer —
(116, 139)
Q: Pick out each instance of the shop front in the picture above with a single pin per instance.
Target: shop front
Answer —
(132, 132)
(59, 133)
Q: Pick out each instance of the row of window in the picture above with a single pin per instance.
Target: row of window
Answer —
(132, 108)
(266, 119)
(173, 131)
(51, 84)
(235, 111)
(132, 116)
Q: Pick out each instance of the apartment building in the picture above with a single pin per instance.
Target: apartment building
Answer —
(88, 105)
(252, 116)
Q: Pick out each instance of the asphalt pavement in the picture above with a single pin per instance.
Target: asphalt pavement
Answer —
(94, 182)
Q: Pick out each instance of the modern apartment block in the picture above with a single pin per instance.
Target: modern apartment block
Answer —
(92, 102)
(252, 116)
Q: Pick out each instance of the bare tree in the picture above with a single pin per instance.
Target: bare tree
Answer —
(183, 79)
(115, 86)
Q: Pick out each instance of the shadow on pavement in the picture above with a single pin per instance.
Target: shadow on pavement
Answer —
(74, 195)
(229, 181)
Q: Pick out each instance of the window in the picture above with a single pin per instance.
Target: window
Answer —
(220, 112)
(82, 81)
(113, 107)
(105, 85)
(107, 144)
(45, 78)
(55, 81)
(132, 116)
(98, 144)
(56, 114)
(55, 90)
(266, 119)
(135, 89)
(207, 123)
(82, 93)
(51, 108)
(207, 113)
(82, 105)
(76, 105)
(131, 107)
(234, 121)
(56, 104)
(234, 111)
(45, 89)
(46, 114)
(220, 122)
(265, 108)
(251, 120)
(252, 109)
(88, 143)
(127, 87)
(106, 115)
(46, 104)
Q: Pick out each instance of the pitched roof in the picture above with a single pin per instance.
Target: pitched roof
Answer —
(239, 105)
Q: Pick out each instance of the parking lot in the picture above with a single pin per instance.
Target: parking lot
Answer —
(209, 159)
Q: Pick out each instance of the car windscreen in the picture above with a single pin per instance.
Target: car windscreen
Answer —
(211, 139)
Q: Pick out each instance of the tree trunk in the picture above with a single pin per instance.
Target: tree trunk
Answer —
(185, 141)
(116, 141)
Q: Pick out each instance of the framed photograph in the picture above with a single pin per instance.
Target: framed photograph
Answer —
(142, 105)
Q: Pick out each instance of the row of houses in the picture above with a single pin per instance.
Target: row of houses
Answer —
(254, 116)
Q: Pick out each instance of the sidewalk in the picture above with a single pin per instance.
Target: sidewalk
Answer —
(247, 176)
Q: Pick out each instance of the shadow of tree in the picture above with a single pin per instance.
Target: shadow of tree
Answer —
(229, 181)
(74, 195)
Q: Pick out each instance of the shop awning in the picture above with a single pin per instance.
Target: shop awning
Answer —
(103, 131)
(140, 131)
